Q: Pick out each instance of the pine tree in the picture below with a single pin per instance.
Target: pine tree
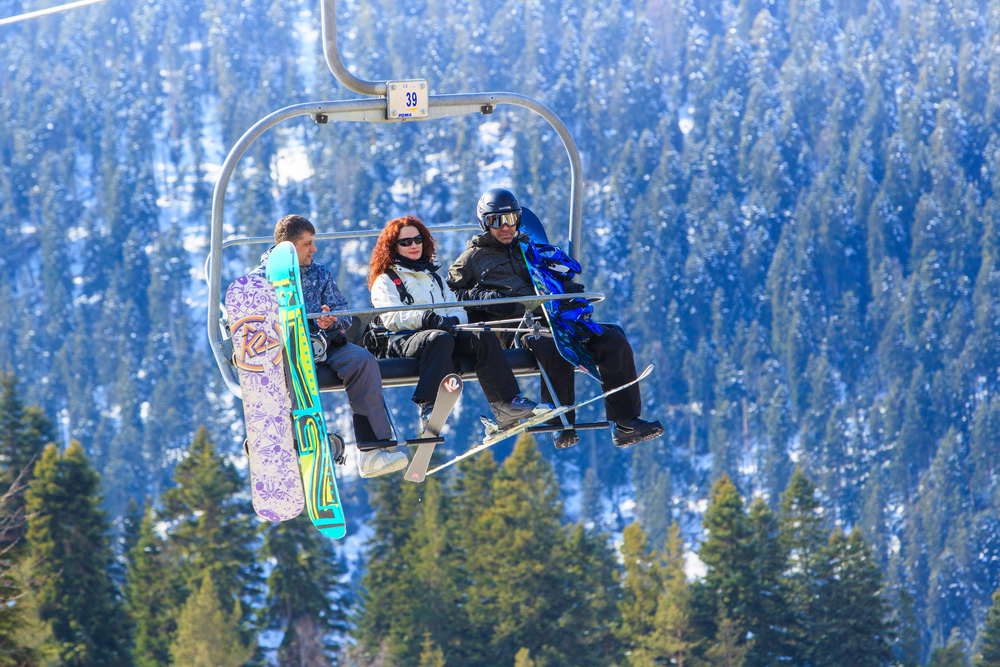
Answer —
(769, 616)
(207, 635)
(727, 554)
(433, 583)
(909, 629)
(588, 601)
(383, 601)
(13, 589)
(24, 432)
(989, 638)
(672, 640)
(154, 594)
(803, 538)
(641, 586)
(515, 566)
(71, 558)
(211, 529)
(950, 655)
(729, 648)
(431, 654)
(305, 598)
(851, 613)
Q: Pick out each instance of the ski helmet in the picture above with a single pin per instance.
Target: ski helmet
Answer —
(496, 207)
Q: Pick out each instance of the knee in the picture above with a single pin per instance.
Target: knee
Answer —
(441, 341)
(486, 340)
(614, 334)
(366, 363)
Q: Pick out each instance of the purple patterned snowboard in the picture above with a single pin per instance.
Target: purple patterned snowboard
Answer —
(276, 484)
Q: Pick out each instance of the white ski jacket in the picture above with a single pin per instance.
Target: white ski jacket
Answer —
(423, 288)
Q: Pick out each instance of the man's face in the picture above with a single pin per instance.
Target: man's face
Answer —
(504, 235)
(305, 248)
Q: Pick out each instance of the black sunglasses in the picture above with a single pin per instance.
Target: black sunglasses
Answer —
(406, 243)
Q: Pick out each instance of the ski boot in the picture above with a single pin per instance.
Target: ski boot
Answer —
(508, 413)
(380, 462)
(425, 417)
(565, 438)
(630, 432)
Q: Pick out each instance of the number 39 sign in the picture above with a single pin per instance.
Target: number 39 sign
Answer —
(406, 99)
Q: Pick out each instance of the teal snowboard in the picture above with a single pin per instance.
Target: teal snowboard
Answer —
(315, 456)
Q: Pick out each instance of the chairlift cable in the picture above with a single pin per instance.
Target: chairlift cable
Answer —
(51, 10)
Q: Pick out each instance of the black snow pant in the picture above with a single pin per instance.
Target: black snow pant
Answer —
(435, 349)
(615, 361)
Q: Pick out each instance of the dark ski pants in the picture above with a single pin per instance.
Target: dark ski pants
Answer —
(359, 371)
(615, 361)
(435, 349)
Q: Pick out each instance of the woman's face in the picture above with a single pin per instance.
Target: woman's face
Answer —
(409, 244)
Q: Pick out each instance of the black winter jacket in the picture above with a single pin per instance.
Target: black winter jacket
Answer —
(489, 269)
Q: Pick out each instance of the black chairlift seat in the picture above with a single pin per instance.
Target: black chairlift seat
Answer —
(401, 372)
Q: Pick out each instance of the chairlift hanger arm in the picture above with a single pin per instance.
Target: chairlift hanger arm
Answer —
(365, 110)
(447, 105)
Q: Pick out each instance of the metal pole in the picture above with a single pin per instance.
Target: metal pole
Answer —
(486, 102)
(328, 16)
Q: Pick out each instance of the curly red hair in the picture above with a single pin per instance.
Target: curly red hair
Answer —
(384, 254)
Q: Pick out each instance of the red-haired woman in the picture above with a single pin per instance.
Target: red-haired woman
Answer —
(407, 248)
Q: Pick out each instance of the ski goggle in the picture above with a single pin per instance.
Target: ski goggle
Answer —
(406, 243)
(498, 220)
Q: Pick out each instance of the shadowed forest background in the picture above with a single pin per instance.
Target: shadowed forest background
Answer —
(793, 204)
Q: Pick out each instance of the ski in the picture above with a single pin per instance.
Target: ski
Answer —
(315, 455)
(275, 483)
(499, 435)
(449, 391)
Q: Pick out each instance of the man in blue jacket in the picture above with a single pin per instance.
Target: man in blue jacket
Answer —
(354, 365)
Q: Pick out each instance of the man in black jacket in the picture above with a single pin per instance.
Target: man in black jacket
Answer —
(493, 267)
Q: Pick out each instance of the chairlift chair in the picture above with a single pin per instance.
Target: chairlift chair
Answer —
(398, 101)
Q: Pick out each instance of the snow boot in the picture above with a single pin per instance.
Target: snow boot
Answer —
(508, 413)
(425, 416)
(635, 430)
(566, 438)
(380, 462)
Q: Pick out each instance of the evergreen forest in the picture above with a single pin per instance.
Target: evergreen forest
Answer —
(792, 206)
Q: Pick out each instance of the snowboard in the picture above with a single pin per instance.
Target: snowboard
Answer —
(449, 391)
(315, 457)
(275, 485)
(495, 435)
(566, 337)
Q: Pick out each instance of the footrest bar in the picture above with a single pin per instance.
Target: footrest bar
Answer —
(384, 444)
(586, 426)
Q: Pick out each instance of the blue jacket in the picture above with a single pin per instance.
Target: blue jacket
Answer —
(318, 288)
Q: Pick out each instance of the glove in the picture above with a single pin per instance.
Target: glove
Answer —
(499, 310)
(481, 294)
(432, 320)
